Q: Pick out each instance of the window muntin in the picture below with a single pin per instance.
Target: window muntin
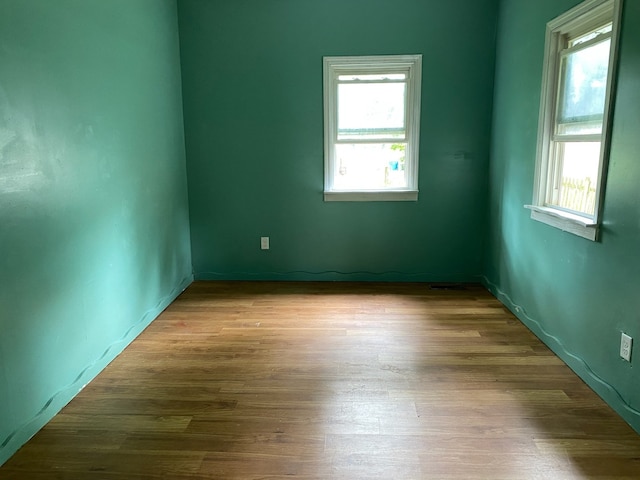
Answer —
(573, 138)
(372, 108)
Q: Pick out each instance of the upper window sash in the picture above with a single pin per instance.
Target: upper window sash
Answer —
(393, 75)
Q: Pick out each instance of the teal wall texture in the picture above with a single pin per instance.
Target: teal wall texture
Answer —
(95, 234)
(252, 88)
(94, 227)
(576, 295)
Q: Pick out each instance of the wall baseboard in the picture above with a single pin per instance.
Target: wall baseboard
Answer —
(576, 363)
(337, 276)
(12, 442)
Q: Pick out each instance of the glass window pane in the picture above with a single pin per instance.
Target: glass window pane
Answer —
(577, 180)
(583, 84)
(370, 166)
(371, 110)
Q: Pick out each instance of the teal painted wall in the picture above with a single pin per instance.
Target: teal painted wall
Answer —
(94, 219)
(94, 234)
(252, 87)
(575, 294)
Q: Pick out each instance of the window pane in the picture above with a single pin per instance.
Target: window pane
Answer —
(577, 176)
(370, 166)
(371, 110)
(583, 84)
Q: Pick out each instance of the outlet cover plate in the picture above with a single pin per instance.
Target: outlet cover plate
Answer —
(625, 346)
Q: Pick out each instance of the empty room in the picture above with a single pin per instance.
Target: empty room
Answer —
(337, 239)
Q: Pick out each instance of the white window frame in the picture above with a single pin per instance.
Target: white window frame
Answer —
(335, 66)
(577, 21)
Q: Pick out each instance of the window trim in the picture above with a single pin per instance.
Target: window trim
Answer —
(587, 15)
(332, 67)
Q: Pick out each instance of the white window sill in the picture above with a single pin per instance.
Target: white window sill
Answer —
(372, 196)
(565, 221)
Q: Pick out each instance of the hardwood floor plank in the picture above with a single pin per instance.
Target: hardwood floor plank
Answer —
(275, 380)
(124, 423)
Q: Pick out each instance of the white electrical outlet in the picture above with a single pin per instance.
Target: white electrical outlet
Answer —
(264, 243)
(625, 347)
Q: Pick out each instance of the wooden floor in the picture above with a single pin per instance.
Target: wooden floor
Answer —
(333, 381)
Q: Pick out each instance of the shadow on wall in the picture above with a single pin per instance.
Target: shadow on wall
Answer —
(73, 302)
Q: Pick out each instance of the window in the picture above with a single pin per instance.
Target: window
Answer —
(573, 136)
(371, 127)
